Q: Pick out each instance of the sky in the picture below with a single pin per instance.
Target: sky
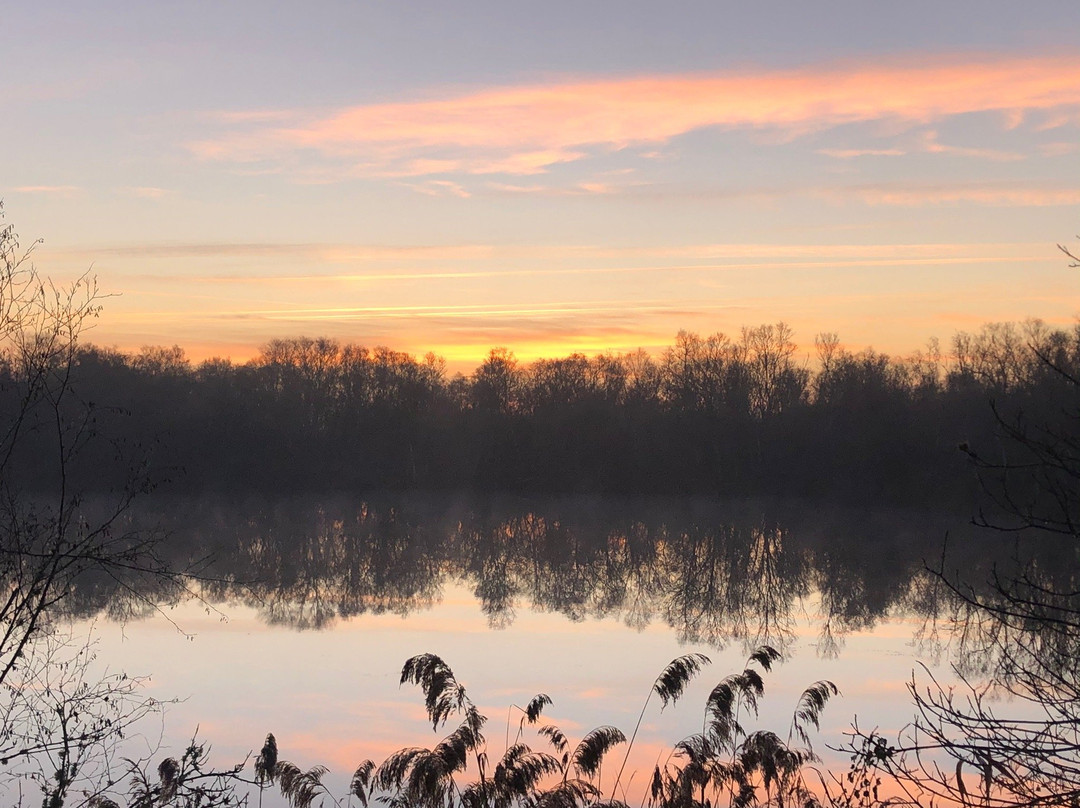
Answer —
(546, 177)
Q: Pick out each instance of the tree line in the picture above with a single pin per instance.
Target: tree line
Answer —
(710, 415)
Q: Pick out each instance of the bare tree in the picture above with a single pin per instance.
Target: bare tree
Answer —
(60, 717)
(1019, 630)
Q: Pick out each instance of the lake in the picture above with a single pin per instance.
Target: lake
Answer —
(312, 608)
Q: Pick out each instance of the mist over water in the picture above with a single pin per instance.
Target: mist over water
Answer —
(711, 572)
(312, 605)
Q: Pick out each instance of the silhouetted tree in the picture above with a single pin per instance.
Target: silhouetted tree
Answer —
(58, 724)
(1022, 624)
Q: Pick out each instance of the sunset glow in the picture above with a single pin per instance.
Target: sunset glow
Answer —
(440, 189)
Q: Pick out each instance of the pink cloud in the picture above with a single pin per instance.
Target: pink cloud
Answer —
(995, 195)
(63, 191)
(930, 143)
(147, 192)
(525, 129)
(439, 188)
(847, 154)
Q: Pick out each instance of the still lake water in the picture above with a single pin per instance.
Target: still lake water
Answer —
(586, 601)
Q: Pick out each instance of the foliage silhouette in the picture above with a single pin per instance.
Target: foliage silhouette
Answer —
(710, 415)
(728, 762)
(61, 720)
(748, 768)
(187, 782)
(967, 744)
(752, 768)
(669, 685)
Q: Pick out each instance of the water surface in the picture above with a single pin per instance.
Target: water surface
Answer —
(314, 606)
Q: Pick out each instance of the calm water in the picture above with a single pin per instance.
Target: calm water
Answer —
(319, 604)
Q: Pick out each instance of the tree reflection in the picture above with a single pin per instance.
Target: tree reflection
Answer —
(305, 567)
(715, 574)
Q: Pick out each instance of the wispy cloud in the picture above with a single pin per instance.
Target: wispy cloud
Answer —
(147, 192)
(930, 143)
(989, 194)
(323, 253)
(523, 163)
(439, 188)
(468, 311)
(1057, 120)
(521, 130)
(848, 154)
(63, 191)
(578, 189)
(388, 262)
(1059, 148)
(584, 271)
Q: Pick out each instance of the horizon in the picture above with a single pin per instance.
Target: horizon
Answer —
(806, 352)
